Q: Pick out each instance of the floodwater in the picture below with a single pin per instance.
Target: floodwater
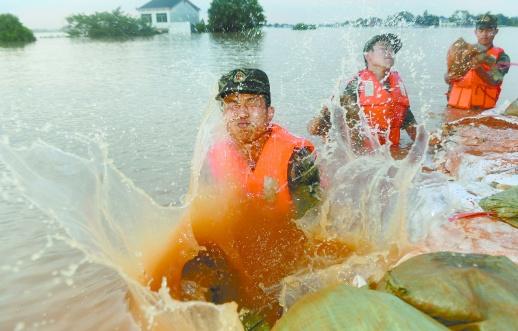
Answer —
(145, 100)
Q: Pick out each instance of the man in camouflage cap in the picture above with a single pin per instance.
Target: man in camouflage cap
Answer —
(258, 147)
(480, 87)
(261, 166)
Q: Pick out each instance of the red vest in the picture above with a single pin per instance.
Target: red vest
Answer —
(471, 91)
(384, 109)
(269, 179)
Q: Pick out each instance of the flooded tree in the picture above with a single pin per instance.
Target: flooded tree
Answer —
(12, 30)
(115, 24)
(235, 15)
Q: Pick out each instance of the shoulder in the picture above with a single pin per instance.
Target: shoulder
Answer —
(280, 134)
(395, 75)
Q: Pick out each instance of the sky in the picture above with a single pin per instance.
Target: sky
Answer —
(50, 14)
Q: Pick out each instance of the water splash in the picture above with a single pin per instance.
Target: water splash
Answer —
(119, 229)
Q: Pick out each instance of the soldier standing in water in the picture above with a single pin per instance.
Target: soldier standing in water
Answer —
(379, 93)
(480, 86)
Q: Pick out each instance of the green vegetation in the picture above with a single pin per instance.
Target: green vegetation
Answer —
(12, 31)
(506, 21)
(235, 15)
(108, 25)
(304, 26)
(405, 18)
(200, 27)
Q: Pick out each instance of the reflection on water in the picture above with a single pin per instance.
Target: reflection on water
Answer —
(248, 40)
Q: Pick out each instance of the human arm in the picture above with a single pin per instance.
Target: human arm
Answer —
(409, 124)
(303, 181)
(497, 71)
(320, 124)
(349, 102)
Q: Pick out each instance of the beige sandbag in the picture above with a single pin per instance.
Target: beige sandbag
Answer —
(512, 109)
(464, 291)
(461, 57)
(345, 308)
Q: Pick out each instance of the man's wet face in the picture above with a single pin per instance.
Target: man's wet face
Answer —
(485, 36)
(381, 55)
(247, 116)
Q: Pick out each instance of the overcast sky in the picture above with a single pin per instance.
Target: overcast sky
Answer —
(52, 13)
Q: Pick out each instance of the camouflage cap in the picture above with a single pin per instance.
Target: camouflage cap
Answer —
(486, 21)
(244, 80)
(390, 38)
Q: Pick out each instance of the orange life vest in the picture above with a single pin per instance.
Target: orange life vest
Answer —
(471, 91)
(385, 109)
(269, 179)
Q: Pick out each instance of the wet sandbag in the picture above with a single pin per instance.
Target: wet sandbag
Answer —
(463, 291)
(343, 307)
(461, 57)
(505, 204)
(512, 109)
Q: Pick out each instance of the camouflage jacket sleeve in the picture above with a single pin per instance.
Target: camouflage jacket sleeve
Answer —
(303, 181)
(498, 70)
(349, 101)
(409, 120)
(503, 63)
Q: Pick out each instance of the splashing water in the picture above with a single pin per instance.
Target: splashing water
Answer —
(115, 225)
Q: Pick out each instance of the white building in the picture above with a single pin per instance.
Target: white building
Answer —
(171, 15)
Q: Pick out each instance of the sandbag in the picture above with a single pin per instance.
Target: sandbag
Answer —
(461, 57)
(463, 291)
(512, 109)
(505, 204)
(343, 307)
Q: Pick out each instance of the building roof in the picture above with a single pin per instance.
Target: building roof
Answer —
(165, 4)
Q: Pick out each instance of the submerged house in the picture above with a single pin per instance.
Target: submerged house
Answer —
(171, 15)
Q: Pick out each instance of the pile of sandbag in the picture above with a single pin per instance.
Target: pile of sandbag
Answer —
(437, 291)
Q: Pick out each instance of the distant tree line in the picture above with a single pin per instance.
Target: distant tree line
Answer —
(13, 31)
(304, 26)
(405, 18)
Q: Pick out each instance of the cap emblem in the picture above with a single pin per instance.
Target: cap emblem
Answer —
(239, 77)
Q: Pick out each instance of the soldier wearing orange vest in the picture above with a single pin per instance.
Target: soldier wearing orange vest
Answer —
(259, 157)
(260, 176)
(378, 92)
(257, 177)
(480, 87)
